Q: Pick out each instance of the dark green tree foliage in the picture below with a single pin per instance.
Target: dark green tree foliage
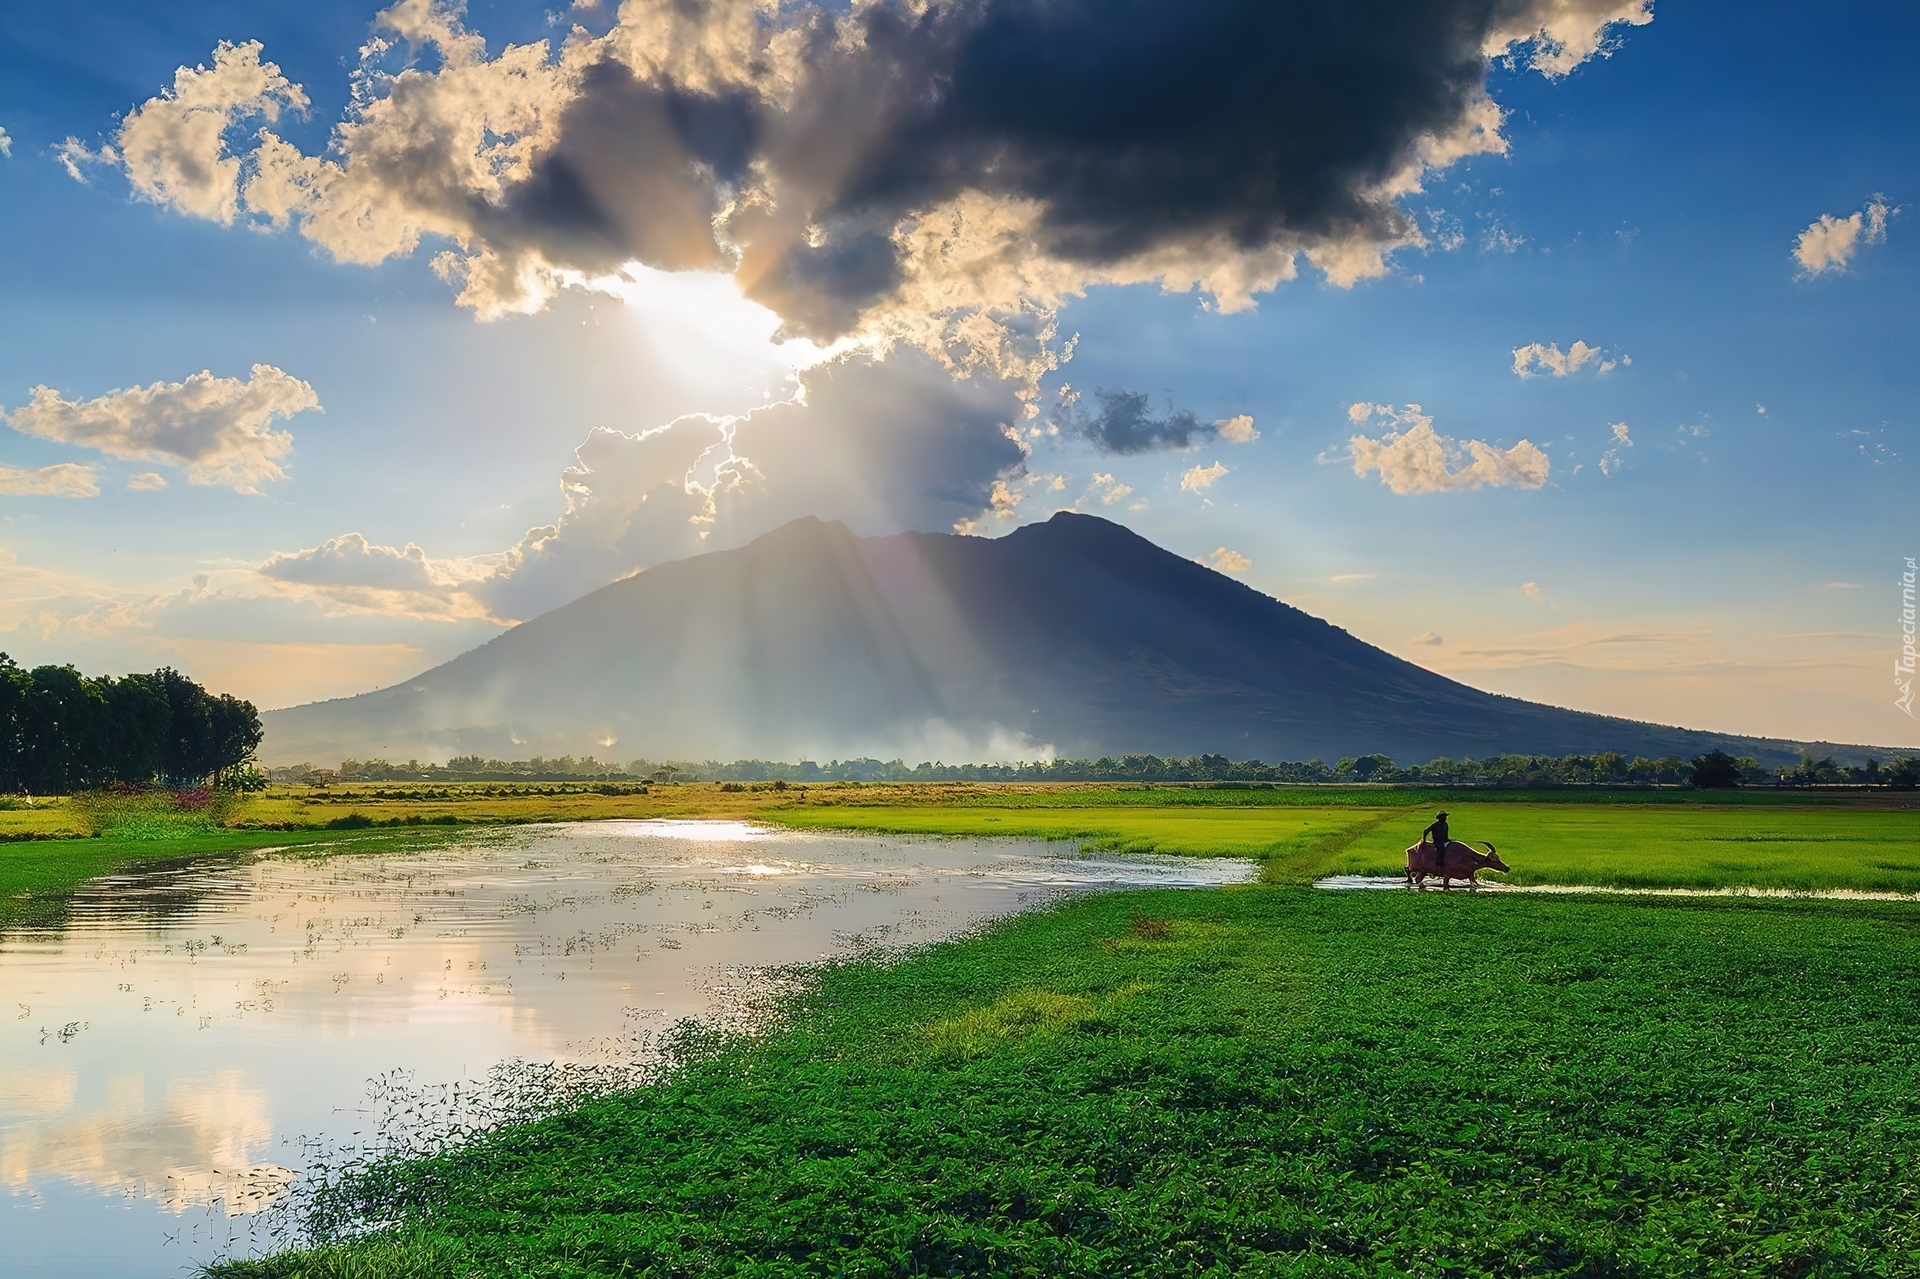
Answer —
(141, 716)
(1715, 770)
(61, 731)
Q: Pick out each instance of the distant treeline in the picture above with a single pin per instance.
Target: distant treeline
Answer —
(466, 768)
(1715, 769)
(61, 731)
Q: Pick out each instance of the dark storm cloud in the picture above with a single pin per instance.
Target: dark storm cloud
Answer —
(910, 171)
(638, 171)
(1125, 424)
(1137, 121)
(1135, 126)
(900, 157)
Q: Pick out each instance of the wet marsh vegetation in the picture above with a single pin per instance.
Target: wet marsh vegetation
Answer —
(1248, 1080)
(1257, 1079)
(1640, 838)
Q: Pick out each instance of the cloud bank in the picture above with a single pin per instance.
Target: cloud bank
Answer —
(219, 429)
(351, 571)
(1411, 457)
(894, 444)
(936, 173)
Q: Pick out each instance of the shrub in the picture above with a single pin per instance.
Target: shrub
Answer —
(133, 812)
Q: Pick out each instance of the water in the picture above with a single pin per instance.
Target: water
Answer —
(171, 1055)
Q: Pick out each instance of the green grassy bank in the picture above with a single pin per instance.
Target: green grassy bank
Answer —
(38, 877)
(1251, 1081)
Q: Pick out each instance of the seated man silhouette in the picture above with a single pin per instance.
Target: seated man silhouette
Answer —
(1437, 833)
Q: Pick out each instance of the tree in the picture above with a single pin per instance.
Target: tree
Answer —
(66, 731)
(14, 687)
(1903, 774)
(138, 718)
(1715, 770)
(61, 731)
(234, 732)
(206, 735)
(189, 727)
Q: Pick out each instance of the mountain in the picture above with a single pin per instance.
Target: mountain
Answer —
(812, 643)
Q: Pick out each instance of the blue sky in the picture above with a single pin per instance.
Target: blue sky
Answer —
(1731, 568)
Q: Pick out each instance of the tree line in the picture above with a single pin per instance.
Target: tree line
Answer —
(61, 731)
(1608, 768)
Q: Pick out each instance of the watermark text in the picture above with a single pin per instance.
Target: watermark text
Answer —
(1903, 665)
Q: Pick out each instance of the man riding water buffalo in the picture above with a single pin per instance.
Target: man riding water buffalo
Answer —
(1438, 853)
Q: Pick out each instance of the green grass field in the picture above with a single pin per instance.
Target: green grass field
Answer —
(1293, 842)
(1668, 847)
(1866, 847)
(1260, 1081)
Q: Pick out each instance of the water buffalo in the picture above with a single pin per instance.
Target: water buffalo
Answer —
(1458, 861)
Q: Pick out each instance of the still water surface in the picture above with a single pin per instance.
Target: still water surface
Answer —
(170, 1054)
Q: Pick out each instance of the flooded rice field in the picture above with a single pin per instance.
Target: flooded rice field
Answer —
(192, 1038)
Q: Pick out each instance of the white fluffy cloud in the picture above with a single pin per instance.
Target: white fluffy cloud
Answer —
(1562, 34)
(174, 149)
(1828, 245)
(1227, 561)
(1200, 478)
(6, 144)
(352, 571)
(1411, 457)
(794, 145)
(1109, 490)
(1237, 430)
(219, 429)
(1535, 358)
(146, 482)
(62, 479)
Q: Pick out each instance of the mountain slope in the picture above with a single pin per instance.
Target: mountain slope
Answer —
(814, 643)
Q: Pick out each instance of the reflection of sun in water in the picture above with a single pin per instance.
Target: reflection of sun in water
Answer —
(700, 318)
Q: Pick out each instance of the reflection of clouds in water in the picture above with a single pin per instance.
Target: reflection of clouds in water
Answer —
(31, 1092)
(196, 1148)
(262, 999)
(702, 831)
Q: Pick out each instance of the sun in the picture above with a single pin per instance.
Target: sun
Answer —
(700, 319)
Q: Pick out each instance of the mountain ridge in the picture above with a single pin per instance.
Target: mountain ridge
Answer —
(1073, 634)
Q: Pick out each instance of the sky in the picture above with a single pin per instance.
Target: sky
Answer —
(1565, 347)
